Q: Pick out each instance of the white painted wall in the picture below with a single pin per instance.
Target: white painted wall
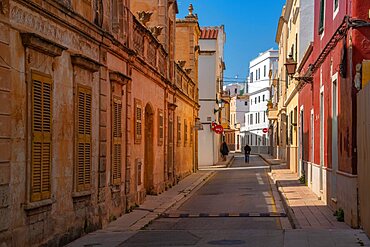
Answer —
(207, 77)
(207, 100)
(206, 146)
(210, 74)
(241, 109)
(306, 28)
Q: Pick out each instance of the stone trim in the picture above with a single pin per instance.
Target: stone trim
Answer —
(77, 194)
(38, 204)
(38, 43)
(119, 77)
(85, 62)
(346, 174)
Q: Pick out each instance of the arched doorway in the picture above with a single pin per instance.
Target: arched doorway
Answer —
(148, 150)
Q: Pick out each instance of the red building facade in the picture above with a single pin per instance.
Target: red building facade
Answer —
(328, 104)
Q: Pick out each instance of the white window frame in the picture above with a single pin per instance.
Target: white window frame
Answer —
(335, 10)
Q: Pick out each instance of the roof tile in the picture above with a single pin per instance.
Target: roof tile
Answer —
(208, 33)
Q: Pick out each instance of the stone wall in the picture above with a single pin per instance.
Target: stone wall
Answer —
(91, 60)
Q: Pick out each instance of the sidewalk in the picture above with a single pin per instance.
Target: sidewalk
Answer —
(305, 210)
(125, 226)
(271, 160)
(221, 164)
(229, 159)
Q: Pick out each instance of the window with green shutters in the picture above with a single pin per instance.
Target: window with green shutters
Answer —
(83, 166)
(322, 16)
(41, 137)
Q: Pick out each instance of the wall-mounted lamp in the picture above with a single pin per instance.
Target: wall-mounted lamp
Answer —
(198, 125)
(291, 66)
(221, 104)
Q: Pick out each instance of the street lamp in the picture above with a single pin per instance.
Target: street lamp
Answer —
(198, 124)
(291, 66)
(221, 105)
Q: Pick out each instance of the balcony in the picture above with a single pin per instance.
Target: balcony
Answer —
(149, 49)
(184, 83)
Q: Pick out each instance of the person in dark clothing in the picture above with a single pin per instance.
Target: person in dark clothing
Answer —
(247, 152)
(224, 150)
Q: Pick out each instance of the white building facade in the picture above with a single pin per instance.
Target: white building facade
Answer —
(239, 106)
(211, 67)
(258, 92)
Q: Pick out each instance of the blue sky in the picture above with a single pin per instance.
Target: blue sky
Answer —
(250, 27)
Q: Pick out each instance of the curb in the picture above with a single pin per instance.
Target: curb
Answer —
(157, 212)
(228, 164)
(260, 155)
(288, 210)
(264, 159)
(185, 196)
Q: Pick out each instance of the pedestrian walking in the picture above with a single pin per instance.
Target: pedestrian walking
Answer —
(247, 152)
(224, 151)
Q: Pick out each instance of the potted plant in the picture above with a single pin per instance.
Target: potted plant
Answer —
(269, 104)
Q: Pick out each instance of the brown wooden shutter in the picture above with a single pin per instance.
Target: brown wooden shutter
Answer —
(41, 137)
(160, 127)
(191, 134)
(138, 121)
(185, 132)
(83, 168)
(117, 141)
(178, 131)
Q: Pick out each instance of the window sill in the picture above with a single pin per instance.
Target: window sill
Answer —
(81, 194)
(36, 205)
(115, 188)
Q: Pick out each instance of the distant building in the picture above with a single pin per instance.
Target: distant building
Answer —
(238, 103)
(211, 69)
(235, 89)
(259, 95)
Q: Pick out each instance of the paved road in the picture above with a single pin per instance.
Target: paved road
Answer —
(228, 201)
(235, 207)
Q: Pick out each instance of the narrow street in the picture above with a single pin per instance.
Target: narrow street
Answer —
(125, 123)
(226, 201)
(222, 206)
(235, 207)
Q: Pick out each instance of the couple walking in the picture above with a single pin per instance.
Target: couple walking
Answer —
(247, 152)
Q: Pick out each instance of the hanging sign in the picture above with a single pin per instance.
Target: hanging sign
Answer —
(218, 129)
